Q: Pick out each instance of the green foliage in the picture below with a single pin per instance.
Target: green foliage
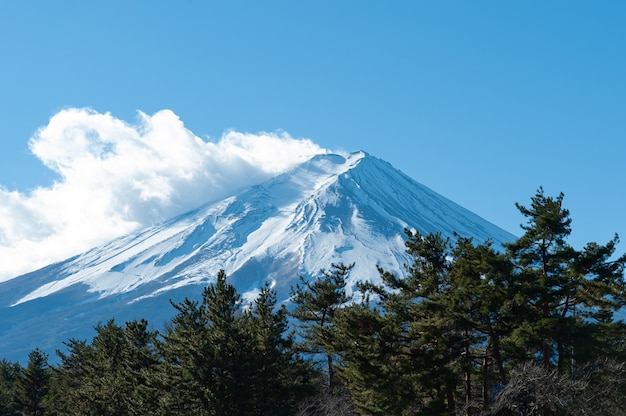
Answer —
(402, 357)
(561, 292)
(110, 376)
(315, 303)
(280, 377)
(10, 373)
(445, 338)
(32, 385)
(379, 382)
(221, 360)
(206, 353)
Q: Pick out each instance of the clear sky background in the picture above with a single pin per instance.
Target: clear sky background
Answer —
(482, 101)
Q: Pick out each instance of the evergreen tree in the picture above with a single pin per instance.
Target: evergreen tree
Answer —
(561, 291)
(9, 376)
(221, 360)
(33, 385)
(205, 349)
(111, 375)
(481, 279)
(315, 303)
(431, 337)
(369, 346)
(404, 357)
(280, 377)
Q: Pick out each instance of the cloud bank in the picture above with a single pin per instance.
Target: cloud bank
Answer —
(115, 178)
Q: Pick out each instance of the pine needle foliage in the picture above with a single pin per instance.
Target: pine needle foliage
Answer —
(316, 301)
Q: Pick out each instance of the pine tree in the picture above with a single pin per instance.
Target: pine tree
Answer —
(316, 302)
(563, 301)
(33, 385)
(421, 302)
(481, 279)
(205, 350)
(369, 347)
(9, 376)
(111, 375)
(222, 360)
(404, 356)
(280, 376)
(561, 291)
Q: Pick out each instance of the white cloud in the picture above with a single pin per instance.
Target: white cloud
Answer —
(116, 178)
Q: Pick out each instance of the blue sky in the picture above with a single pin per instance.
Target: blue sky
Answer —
(482, 101)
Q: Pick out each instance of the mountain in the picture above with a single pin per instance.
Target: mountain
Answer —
(350, 209)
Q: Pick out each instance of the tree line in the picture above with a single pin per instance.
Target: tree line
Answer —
(470, 329)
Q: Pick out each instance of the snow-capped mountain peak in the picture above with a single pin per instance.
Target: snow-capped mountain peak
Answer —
(331, 209)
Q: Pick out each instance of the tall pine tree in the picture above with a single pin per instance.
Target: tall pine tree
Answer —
(280, 378)
(112, 375)
(205, 350)
(9, 376)
(33, 385)
(404, 356)
(315, 303)
(563, 292)
(223, 359)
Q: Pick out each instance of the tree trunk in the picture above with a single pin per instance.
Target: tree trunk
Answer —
(450, 397)
(485, 371)
(546, 354)
(495, 343)
(331, 372)
(468, 376)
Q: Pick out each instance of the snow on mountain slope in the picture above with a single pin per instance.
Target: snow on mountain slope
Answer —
(331, 209)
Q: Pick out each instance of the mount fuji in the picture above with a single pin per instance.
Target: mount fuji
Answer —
(331, 209)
